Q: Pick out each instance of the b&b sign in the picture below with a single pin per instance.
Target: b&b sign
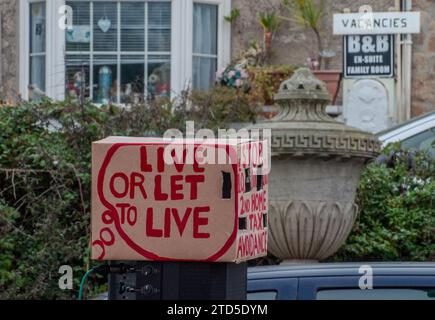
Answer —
(177, 201)
(368, 56)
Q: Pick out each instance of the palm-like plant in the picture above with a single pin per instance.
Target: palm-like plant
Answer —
(308, 14)
(233, 16)
(270, 23)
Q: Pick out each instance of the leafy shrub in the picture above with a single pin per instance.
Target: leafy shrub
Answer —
(265, 82)
(397, 219)
(220, 106)
(45, 165)
(44, 197)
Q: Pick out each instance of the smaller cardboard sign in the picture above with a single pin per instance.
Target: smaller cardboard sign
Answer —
(368, 56)
(159, 201)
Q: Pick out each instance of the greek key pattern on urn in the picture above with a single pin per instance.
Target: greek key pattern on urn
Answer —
(322, 142)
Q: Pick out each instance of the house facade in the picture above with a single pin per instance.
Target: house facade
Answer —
(294, 45)
(108, 48)
(112, 49)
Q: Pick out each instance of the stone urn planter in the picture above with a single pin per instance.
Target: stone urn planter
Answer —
(316, 167)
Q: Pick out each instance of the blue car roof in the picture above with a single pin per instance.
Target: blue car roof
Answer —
(341, 269)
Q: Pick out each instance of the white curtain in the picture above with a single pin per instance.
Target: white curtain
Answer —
(37, 45)
(205, 23)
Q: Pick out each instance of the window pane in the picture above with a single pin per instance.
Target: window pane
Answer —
(122, 68)
(205, 17)
(205, 24)
(105, 75)
(133, 26)
(159, 76)
(424, 141)
(37, 27)
(377, 294)
(79, 38)
(77, 75)
(37, 49)
(204, 70)
(37, 72)
(262, 295)
(159, 26)
(132, 79)
(105, 26)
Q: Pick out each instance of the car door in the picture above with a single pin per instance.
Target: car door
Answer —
(273, 289)
(384, 288)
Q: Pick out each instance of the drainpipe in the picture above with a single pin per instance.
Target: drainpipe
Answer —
(397, 111)
(406, 5)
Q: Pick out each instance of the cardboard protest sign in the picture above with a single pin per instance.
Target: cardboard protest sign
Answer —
(159, 201)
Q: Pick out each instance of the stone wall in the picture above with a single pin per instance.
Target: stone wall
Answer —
(10, 52)
(293, 45)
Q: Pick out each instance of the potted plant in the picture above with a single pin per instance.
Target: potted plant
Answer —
(260, 81)
(251, 71)
(310, 14)
(269, 22)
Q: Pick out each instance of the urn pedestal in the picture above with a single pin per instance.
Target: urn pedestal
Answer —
(316, 167)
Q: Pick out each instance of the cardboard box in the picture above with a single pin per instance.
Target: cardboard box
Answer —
(180, 201)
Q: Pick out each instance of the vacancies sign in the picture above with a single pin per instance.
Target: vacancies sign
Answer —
(368, 56)
(377, 23)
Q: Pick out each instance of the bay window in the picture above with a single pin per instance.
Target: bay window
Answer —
(117, 51)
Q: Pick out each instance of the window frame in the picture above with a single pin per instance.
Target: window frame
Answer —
(119, 53)
(182, 37)
(216, 56)
(43, 53)
(54, 54)
(181, 44)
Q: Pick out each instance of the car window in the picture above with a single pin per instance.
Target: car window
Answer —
(377, 294)
(272, 288)
(262, 295)
(422, 141)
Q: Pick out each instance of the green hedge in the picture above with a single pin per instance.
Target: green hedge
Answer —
(44, 218)
(397, 219)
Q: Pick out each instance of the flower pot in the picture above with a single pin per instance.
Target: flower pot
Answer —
(332, 79)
